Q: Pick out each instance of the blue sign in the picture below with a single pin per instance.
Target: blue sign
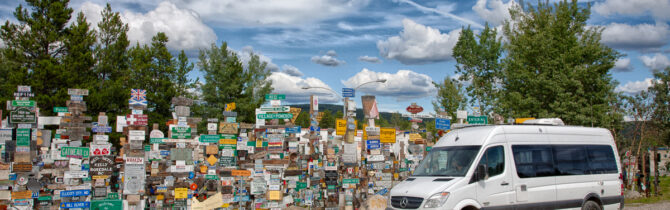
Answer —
(12, 176)
(36, 195)
(74, 193)
(373, 144)
(314, 128)
(101, 129)
(69, 205)
(382, 192)
(442, 124)
(348, 92)
(165, 152)
(294, 129)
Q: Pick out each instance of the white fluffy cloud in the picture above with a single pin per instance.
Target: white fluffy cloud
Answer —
(245, 56)
(635, 86)
(183, 27)
(658, 62)
(292, 87)
(656, 8)
(329, 59)
(402, 85)
(419, 44)
(369, 59)
(292, 70)
(642, 36)
(623, 65)
(498, 13)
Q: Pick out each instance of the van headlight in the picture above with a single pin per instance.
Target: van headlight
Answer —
(436, 200)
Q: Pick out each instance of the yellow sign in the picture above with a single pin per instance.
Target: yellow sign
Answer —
(25, 194)
(100, 177)
(160, 197)
(340, 127)
(228, 141)
(295, 112)
(521, 120)
(415, 136)
(230, 107)
(387, 135)
(259, 143)
(365, 133)
(240, 173)
(212, 160)
(180, 193)
(274, 195)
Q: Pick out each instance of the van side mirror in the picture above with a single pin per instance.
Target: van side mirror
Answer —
(481, 172)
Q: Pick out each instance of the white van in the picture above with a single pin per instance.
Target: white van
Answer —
(516, 167)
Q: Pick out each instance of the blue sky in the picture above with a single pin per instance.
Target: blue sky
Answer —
(343, 43)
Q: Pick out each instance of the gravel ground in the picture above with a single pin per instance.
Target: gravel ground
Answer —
(655, 206)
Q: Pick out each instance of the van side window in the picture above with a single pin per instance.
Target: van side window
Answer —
(494, 159)
(533, 160)
(601, 159)
(570, 159)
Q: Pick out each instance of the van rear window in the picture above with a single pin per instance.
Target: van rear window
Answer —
(557, 160)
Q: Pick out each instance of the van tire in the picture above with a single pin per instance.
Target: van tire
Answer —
(591, 205)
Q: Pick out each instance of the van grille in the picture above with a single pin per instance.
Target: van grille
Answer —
(412, 202)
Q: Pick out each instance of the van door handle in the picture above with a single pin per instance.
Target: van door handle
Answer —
(504, 183)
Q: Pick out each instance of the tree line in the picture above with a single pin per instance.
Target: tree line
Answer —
(547, 62)
(50, 51)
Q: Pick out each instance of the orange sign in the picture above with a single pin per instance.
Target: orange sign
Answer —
(240, 173)
(228, 141)
(22, 194)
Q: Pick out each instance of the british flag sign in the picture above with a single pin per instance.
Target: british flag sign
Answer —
(138, 97)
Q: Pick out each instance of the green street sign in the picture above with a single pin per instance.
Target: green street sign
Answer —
(275, 97)
(211, 177)
(275, 109)
(147, 148)
(331, 187)
(157, 141)
(74, 151)
(181, 132)
(23, 137)
(113, 196)
(17, 103)
(44, 198)
(227, 136)
(300, 185)
(482, 120)
(210, 138)
(106, 205)
(350, 181)
(275, 116)
(60, 109)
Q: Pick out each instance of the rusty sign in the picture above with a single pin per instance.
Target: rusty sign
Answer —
(22, 167)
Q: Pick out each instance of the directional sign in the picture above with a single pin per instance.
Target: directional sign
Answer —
(74, 193)
(442, 124)
(348, 92)
(17, 103)
(60, 109)
(74, 151)
(23, 137)
(276, 109)
(275, 97)
(106, 205)
(275, 116)
(482, 120)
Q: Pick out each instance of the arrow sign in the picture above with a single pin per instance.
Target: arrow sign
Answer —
(276, 109)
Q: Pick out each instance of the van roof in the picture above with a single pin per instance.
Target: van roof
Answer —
(477, 135)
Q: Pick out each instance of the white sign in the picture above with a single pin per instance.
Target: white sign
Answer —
(461, 114)
(136, 138)
(120, 123)
(136, 133)
(211, 126)
(315, 103)
(275, 103)
(75, 174)
(134, 160)
(100, 149)
(100, 138)
(156, 134)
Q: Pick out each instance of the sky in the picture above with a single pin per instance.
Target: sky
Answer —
(334, 44)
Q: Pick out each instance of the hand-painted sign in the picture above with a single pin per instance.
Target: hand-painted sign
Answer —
(138, 97)
(22, 115)
(102, 165)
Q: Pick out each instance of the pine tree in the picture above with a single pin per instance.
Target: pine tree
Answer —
(78, 61)
(182, 82)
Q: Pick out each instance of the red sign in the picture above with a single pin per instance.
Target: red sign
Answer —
(137, 119)
(414, 109)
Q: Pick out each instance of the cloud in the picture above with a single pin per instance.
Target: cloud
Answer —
(623, 65)
(441, 11)
(656, 8)
(292, 70)
(498, 13)
(183, 27)
(369, 59)
(292, 86)
(640, 37)
(245, 56)
(329, 59)
(312, 37)
(635, 86)
(658, 62)
(419, 44)
(403, 85)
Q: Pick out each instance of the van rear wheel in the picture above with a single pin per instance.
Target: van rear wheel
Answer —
(591, 205)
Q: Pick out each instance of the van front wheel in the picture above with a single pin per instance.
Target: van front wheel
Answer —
(591, 205)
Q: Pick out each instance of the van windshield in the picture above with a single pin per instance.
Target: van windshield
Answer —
(447, 161)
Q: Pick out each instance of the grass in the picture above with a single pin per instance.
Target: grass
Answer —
(664, 185)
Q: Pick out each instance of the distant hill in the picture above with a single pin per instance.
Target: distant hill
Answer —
(334, 108)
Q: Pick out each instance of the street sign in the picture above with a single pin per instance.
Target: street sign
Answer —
(483, 120)
(373, 144)
(442, 124)
(74, 151)
(294, 129)
(23, 137)
(22, 115)
(275, 97)
(181, 132)
(275, 116)
(60, 109)
(348, 92)
(106, 205)
(276, 109)
(210, 138)
(70, 205)
(17, 103)
(74, 193)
